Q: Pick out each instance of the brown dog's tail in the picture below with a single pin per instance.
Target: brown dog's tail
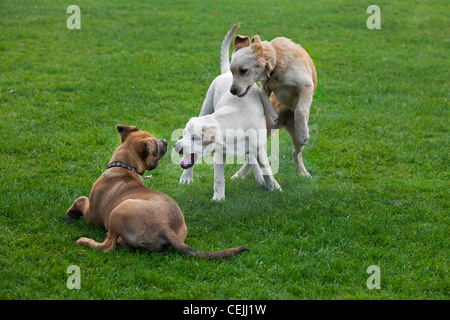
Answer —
(184, 248)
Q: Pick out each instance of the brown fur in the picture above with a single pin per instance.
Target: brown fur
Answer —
(133, 214)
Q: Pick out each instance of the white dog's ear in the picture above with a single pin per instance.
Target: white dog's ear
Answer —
(240, 42)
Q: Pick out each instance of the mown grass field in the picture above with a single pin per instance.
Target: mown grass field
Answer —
(378, 153)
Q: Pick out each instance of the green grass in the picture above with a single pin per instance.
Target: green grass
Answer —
(379, 150)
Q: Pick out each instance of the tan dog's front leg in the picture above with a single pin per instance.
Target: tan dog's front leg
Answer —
(301, 114)
(269, 111)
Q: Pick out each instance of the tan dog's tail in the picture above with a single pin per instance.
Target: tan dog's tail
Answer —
(225, 50)
(184, 248)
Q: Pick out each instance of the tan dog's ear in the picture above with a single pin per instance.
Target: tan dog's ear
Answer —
(266, 55)
(240, 42)
(125, 130)
(256, 39)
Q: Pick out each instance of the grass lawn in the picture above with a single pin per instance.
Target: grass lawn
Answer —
(378, 152)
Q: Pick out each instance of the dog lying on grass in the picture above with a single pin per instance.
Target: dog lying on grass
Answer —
(134, 215)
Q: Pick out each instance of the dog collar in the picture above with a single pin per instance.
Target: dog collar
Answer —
(122, 165)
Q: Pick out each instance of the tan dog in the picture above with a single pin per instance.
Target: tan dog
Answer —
(286, 70)
(133, 214)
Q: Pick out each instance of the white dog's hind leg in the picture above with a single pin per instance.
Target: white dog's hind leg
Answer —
(256, 170)
(219, 177)
(187, 176)
(242, 173)
(270, 182)
(208, 103)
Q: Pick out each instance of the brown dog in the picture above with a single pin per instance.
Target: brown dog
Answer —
(132, 214)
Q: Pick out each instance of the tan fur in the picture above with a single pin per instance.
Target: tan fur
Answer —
(133, 214)
(288, 77)
(289, 52)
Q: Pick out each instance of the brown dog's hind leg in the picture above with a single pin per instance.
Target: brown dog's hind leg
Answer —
(123, 243)
(107, 245)
(78, 209)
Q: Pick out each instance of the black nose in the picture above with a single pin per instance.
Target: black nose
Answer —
(164, 142)
(233, 90)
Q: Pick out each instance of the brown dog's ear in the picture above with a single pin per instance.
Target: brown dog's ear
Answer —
(240, 42)
(147, 146)
(125, 130)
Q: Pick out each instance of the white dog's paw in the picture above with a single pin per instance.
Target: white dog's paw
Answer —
(276, 186)
(218, 198)
(186, 179)
(237, 175)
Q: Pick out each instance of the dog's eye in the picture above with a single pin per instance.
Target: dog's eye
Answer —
(244, 71)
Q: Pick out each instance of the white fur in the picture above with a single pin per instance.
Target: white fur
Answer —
(221, 114)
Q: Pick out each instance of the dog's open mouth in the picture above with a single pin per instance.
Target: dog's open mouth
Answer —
(187, 161)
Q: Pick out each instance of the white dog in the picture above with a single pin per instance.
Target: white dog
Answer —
(227, 125)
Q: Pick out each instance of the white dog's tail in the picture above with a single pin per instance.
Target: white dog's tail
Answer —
(225, 50)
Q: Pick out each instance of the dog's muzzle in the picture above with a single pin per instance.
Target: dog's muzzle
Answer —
(187, 161)
(235, 91)
(162, 151)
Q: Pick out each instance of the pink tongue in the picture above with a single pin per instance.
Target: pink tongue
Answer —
(186, 160)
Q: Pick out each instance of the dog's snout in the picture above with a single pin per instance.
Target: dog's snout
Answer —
(177, 148)
(164, 142)
(233, 90)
